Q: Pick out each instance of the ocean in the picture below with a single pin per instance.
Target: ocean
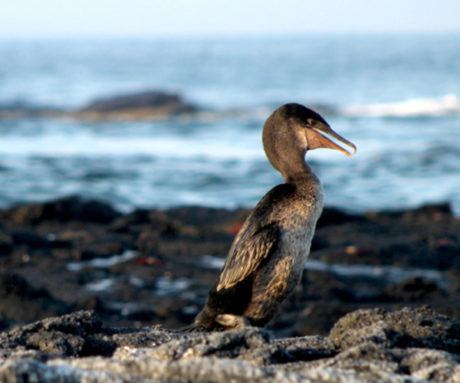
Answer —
(397, 97)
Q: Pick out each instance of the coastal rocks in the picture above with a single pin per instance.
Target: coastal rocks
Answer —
(6, 243)
(143, 105)
(77, 348)
(20, 302)
(154, 266)
(71, 208)
(420, 327)
(76, 334)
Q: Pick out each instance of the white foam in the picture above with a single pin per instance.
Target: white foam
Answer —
(393, 274)
(169, 286)
(213, 262)
(390, 273)
(100, 285)
(101, 263)
(415, 107)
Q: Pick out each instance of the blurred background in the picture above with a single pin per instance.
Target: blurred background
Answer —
(143, 119)
(385, 76)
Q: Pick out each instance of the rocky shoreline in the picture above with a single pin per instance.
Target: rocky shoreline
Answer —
(155, 267)
(409, 345)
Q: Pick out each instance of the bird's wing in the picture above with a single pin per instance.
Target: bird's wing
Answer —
(249, 249)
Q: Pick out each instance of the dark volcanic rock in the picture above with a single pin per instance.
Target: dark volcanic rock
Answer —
(420, 327)
(319, 317)
(70, 335)
(425, 212)
(20, 302)
(335, 216)
(207, 216)
(64, 209)
(140, 105)
(52, 350)
(29, 238)
(412, 289)
(156, 266)
(150, 104)
(6, 243)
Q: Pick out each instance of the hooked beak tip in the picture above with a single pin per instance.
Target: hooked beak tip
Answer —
(354, 148)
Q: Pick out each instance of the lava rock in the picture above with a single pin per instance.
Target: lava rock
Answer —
(70, 335)
(63, 209)
(147, 104)
(20, 302)
(335, 216)
(6, 243)
(52, 351)
(412, 290)
(421, 327)
(29, 238)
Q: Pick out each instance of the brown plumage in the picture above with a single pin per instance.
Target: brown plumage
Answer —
(266, 259)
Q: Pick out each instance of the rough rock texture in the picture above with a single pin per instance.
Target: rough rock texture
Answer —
(409, 345)
(403, 328)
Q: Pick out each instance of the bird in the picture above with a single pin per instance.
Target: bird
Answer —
(267, 256)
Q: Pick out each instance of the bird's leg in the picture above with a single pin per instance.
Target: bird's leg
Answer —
(232, 321)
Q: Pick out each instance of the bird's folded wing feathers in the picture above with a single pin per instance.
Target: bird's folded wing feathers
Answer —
(249, 249)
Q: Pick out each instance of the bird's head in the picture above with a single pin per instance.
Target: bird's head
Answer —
(292, 130)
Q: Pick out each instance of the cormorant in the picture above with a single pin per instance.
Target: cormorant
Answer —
(266, 259)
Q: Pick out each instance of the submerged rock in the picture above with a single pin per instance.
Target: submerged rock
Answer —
(146, 104)
(77, 348)
(19, 109)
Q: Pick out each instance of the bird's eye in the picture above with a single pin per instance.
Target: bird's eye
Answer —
(309, 121)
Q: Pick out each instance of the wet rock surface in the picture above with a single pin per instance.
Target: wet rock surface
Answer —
(418, 345)
(152, 267)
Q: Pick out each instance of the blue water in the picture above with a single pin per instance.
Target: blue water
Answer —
(397, 97)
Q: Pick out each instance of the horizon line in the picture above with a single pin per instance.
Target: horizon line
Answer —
(214, 36)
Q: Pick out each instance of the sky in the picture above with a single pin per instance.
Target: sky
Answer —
(143, 18)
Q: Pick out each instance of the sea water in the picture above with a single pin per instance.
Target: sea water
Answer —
(396, 96)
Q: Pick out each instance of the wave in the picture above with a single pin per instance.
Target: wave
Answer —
(447, 105)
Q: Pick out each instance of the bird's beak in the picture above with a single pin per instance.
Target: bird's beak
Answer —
(318, 136)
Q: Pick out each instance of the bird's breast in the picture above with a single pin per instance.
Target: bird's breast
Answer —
(298, 228)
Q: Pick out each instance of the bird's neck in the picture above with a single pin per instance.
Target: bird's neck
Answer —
(300, 175)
